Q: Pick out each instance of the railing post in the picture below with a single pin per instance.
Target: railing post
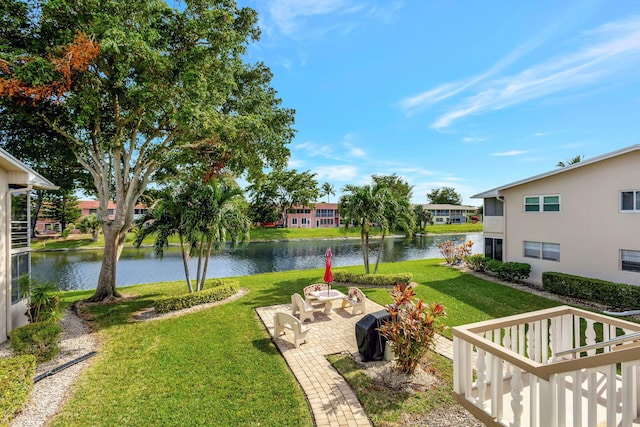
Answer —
(547, 399)
(516, 396)
(629, 401)
(481, 381)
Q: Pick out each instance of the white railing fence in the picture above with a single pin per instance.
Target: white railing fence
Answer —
(550, 368)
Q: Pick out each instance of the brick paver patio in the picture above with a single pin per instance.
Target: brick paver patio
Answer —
(332, 401)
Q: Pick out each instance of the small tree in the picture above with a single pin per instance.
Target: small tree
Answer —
(412, 327)
(90, 224)
(444, 195)
(454, 254)
(43, 299)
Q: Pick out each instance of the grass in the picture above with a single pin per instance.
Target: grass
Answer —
(83, 241)
(219, 366)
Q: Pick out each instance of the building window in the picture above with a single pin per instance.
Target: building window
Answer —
(538, 250)
(542, 204)
(439, 219)
(294, 221)
(19, 267)
(493, 207)
(93, 211)
(630, 201)
(304, 221)
(493, 248)
(630, 260)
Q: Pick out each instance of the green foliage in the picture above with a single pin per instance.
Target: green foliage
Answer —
(444, 195)
(412, 327)
(372, 279)
(41, 339)
(510, 271)
(221, 289)
(43, 299)
(618, 296)
(454, 253)
(16, 383)
(477, 262)
(90, 224)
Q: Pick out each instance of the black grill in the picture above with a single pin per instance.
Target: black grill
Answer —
(370, 342)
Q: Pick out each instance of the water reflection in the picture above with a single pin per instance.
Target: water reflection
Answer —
(79, 269)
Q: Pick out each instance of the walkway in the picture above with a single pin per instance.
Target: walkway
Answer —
(332, 401)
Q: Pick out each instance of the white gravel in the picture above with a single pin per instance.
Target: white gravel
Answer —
(50, 393)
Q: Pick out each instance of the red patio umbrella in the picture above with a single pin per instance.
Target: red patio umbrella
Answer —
(328, 275)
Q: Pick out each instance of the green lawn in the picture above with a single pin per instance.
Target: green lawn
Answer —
(83, 241)
(219, 367)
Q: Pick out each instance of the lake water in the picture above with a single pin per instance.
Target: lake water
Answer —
(79, 269)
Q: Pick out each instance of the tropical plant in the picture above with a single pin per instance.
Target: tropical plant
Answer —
(202, 215)
(89, 224)
(327, 190)
(363, 206)
(454, 254)
(43, 299)
(571, 161)
(412, 327)
(423, 217)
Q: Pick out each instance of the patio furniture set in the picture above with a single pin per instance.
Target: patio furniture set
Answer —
(319, 293)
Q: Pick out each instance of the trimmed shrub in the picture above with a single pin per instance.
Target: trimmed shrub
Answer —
(618, 296)
(372, 279)
(513, 272)
(40, 339)
(222, 289)
(16, 383)
(477, 262)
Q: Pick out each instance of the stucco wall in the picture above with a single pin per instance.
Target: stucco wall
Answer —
(589, 227)
(5, 296)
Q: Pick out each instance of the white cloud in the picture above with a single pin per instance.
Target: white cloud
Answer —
(616, 50)
(336, 173)
(509, 153)
(288, 14)
(474, 139)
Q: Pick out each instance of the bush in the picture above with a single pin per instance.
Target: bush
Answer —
(477, 262)
(454, 254)
(43, 299)
(412, 327)
(40, 339)
(16, 382)
(372, 279)
(513, 272)
(618, 296)
(221, 290)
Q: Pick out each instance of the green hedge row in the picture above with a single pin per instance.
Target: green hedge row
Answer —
(477, 262)
(372, 279)
(221, 290)
(618, 296)
(41, 339)
(16, 383)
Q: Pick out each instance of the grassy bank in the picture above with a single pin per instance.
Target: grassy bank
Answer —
(83, 241)
(219, 366)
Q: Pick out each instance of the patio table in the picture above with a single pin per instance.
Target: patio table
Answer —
(328, 297)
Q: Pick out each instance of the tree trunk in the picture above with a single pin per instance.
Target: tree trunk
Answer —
(185, 264)
(113, 243)
(36, 212)
(364, 239)
(375, 270)
(206, 264)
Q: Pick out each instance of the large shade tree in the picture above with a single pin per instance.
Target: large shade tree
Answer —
(444, 195)
(132, 87)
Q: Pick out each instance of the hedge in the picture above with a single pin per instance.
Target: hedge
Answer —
(618, 296)
(222, 289)
(477, 262)
(510, 271)
(372, 279)
(41, 339)
(16, 383)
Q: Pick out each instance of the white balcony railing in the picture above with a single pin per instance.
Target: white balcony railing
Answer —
(550, 368)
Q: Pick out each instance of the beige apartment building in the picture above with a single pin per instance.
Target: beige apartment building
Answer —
(583, 219)
(16, 181)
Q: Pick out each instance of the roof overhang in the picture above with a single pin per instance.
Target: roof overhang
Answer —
(495, 192)
(32, 178)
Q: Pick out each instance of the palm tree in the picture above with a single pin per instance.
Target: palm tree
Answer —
(364, 206)
(327, 190)
(397, 215)
(202, 215)
(423, 217)
(572, 161)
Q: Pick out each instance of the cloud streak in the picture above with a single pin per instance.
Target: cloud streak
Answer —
(616, 49)
(287, 14)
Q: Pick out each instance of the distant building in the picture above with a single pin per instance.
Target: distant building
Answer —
(16, 181)
(88, 207)
(323, 215)
(450, 214)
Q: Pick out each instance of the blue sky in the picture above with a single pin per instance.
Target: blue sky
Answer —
(464, 94)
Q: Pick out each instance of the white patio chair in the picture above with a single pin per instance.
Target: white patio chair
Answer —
(298, 305)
